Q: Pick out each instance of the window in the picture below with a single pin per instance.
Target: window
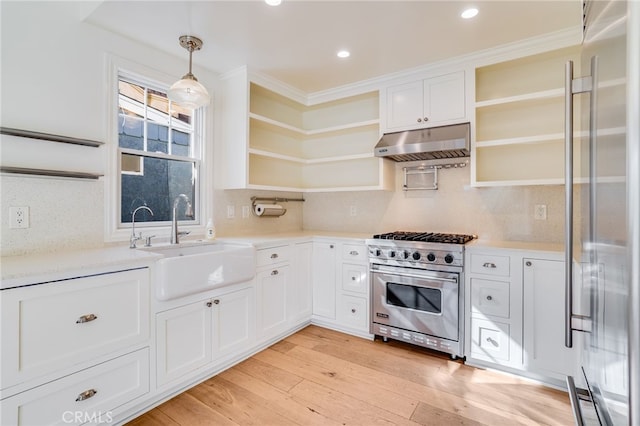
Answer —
(158, 153)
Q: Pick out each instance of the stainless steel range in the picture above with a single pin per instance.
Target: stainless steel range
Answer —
(417, 288)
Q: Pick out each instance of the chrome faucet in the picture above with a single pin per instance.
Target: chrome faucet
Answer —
(134, 238)
(174, 221)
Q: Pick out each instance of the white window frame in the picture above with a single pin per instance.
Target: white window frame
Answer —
(114, 229)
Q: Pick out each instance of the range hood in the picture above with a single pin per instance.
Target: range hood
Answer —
(435, 143)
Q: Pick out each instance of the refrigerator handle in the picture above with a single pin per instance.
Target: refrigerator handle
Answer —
(571, 87)
(568, 203)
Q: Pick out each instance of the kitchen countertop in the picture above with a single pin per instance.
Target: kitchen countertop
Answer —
(44, 267)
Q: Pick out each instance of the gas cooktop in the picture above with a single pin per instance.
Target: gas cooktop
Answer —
(425, 237)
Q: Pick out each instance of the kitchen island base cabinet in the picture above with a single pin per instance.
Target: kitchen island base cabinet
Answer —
(95, 395)
(191, 337)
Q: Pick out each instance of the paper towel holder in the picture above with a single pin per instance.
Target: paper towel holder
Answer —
(272, 200)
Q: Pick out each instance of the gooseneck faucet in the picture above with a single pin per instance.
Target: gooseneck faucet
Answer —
(134, 238)
(174, 221)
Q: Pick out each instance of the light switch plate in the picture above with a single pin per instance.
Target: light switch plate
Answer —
(540, 212)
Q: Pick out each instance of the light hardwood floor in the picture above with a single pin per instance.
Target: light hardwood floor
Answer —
(322, 377)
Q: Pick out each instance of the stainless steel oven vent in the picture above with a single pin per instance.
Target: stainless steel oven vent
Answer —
(435, 143)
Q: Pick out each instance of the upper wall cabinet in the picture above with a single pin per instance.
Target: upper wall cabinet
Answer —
(425, 103)
(519, 137)
(273, 142)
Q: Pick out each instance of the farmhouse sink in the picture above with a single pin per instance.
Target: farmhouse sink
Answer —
(189, 269)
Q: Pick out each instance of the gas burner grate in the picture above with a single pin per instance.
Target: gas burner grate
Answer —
(426, 237)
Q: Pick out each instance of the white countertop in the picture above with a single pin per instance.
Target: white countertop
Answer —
(43, 267)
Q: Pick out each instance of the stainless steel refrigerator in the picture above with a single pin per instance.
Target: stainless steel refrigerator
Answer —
(602, 141)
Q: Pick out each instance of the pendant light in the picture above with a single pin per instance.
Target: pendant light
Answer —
(188, 91)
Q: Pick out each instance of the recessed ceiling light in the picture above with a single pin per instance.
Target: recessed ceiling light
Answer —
(469, 13)
(343, 54)
(273, 2)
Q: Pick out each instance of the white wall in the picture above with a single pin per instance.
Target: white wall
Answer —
(499, 213)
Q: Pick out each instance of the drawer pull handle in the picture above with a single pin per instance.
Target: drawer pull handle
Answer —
(86, 318)
(489, 265)
(353, 253)
(86, 395)
(493, 342)
(274, 255)
(274, 272)
(489, 297)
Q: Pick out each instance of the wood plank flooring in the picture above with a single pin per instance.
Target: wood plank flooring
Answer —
(322, 377)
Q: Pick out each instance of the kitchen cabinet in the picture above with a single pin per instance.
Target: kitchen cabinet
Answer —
(494, 308)
(519, 108)
(272, 285)
(324, 280)
(273, 141)
(424, 103)
(300, 292)
(190, 337)
(341, 286)
(545, 352)
(62, 340)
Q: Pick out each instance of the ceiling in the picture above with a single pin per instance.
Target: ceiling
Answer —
(297, 41)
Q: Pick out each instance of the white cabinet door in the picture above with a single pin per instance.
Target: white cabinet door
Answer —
(444, 99)
(300, 286)
(233, 322)
(324, 279)
(405, 105)
(544, 320)
(184, 340)
(272, 300)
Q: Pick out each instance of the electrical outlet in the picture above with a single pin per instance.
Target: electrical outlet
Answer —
(231, 212)
(245, 212)
(353, 211)
(540, 212)
(18, 217)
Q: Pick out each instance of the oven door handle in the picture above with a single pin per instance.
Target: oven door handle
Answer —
(424, 277)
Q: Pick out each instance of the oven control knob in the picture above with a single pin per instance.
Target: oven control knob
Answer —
(377, 252)
(403, 254)
(448, 258)
(392, 253)
(431, 257)
(416, 255)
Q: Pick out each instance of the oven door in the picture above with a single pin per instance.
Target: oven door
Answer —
(416, 300)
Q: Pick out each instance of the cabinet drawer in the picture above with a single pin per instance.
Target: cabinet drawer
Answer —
(89, 396)
(490, 297)
(53, 326)
(355, 253)
(490, 264)
(352, 312)
(272, 255)
(354, 278)
(490, 340)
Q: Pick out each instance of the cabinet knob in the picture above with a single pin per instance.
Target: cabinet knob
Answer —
(274, 272)
(209, 304)
(489, 265)
(86, 318)
(489, 297)
(86, 394)
(274, 255)
(419, 120)
(330, 245)
(216, 301)
(426, 119)
(353, 253)
(353, 278)
(353, 310)
(528, 263)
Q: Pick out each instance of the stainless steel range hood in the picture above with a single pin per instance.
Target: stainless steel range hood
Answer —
(435, 143)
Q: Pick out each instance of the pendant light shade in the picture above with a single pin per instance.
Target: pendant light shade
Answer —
(188, 91)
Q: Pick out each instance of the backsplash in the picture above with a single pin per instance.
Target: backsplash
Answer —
(493, 213)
